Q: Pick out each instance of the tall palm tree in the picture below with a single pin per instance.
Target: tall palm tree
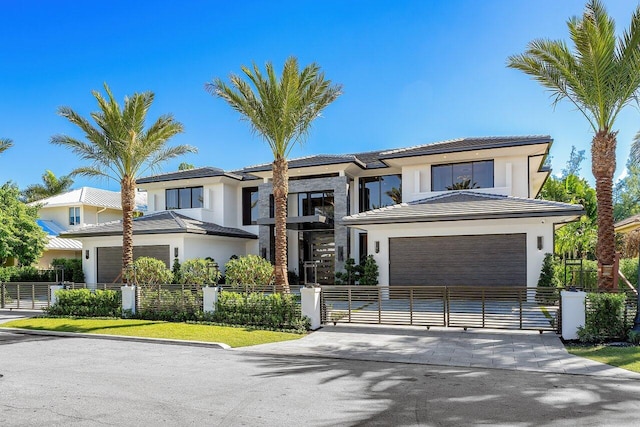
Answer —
(51, 186)
(281, 110)
(5, 144)
(600, 75)
(120, 148)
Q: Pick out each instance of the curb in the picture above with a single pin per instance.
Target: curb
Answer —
(217, 345)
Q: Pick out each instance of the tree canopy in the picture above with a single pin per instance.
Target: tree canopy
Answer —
(119, 147)
(51, 186)
(20, 236)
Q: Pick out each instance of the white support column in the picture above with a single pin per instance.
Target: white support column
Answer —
(311, 306)
(128, 298)
(53, 299)
(573, 313)
(209, 299)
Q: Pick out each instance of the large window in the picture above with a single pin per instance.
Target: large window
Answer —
(183, 198)
(380, 191)
(74, 216)
(316, 203)
(462, 176)
(250, 205)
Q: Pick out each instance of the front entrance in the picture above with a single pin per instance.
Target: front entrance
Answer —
(318, 246)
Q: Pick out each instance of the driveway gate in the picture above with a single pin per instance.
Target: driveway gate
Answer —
(456, 306)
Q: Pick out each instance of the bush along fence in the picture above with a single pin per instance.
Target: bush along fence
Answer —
(179, 303)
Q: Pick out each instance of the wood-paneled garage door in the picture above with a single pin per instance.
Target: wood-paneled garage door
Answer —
(109, 260)
(482, 260)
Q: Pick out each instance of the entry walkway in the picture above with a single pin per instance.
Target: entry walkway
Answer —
(483, 348)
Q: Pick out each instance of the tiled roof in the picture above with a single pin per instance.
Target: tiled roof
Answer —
(92, 197)
(317, 160)
(205, 172)
(463, 205)
(365, 160)
(160, 223)
(58, 243)
(465, 144)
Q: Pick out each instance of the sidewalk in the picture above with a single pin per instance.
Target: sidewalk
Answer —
(9, 315)
(482, 348)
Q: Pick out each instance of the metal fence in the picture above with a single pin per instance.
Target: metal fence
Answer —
(169, 297)
(466, 307)
(37, 295)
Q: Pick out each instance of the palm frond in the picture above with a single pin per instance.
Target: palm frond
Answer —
(5, 144)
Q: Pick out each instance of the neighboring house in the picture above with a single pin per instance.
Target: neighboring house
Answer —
(458, 212)
(73, 210)
(627, 225)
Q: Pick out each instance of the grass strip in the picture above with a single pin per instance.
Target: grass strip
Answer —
(623, 357)
(232, 336)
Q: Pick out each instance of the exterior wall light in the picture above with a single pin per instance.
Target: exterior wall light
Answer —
(377, 246)
(86, 254)
(540, 243)
(175, 252)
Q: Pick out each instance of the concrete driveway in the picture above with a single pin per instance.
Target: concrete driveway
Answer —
(482, 348)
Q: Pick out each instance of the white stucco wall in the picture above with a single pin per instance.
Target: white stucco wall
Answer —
(532, 227)
(219, 248)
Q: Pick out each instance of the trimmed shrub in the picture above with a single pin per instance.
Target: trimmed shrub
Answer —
(149, 271)
(84, 303)
(369, 272)
(251, 271)
(605, 318)
(256, 309)
(546, 283)
(629, 267)
(199, 271)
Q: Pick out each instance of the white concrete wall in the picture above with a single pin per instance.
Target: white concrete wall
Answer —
(219, 248)
(533, 227)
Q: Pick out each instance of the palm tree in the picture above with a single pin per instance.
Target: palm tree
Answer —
(5, 144)
(51, 186)
(120, 148)
(600, 76)
(281, 111)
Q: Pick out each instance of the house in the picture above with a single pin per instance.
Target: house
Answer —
(627, 225)
(456, 212)
(72, 210)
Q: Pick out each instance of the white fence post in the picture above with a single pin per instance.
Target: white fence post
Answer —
(128, 299)
(53, 299)
(209, 298)
(573, 313)
(311, 306)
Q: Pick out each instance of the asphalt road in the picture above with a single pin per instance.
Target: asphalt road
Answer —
(84, 382)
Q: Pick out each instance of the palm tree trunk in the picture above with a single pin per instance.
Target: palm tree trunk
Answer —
(280, 193)
(128, 198)
(603, 156)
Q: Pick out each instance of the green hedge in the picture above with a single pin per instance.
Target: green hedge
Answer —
(84, 303)
(605, 318)
(72, 272)
(171, 306)
(275, 311)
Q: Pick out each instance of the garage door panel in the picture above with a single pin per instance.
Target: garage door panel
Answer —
(109, 260)
(482, 260)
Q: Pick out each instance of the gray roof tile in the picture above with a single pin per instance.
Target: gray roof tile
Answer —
(463, 205)
(205, 172)
(160, 223)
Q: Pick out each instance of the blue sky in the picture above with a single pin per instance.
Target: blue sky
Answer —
(413, 72)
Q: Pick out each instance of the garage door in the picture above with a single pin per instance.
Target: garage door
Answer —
(483, 260)
(109, 260)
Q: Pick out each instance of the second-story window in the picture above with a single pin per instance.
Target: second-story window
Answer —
(184, 198)
(462, 176)
(250, 206)
(380, 191)
(316, 203)
(74, 216)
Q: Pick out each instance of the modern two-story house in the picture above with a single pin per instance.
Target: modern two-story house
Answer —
(458, 212)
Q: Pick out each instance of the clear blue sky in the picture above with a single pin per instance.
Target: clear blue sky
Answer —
(413, 72)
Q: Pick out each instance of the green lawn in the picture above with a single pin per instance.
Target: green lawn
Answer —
(234, 337)
(622, 357)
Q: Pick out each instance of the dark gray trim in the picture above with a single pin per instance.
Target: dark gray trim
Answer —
(295, 220)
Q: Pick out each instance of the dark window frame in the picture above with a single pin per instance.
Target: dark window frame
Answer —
(471, 164)
(179, 205)
(306, 206)
(378, 179)
(247, 208)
